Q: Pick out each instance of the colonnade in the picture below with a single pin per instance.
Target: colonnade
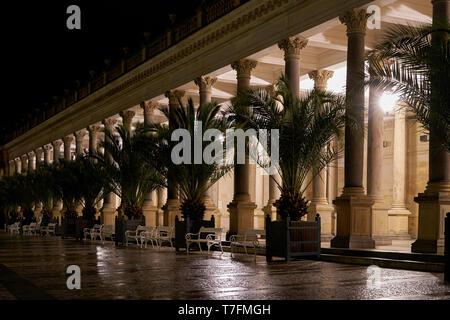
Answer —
(363, 216)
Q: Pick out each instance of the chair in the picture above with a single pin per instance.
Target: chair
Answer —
(164, 234)
(49, 229)
(29, 229)
(209, 236)
(107, 232)
(250, 239)
(94, 231)
(14, 228)
(135, 235)
(149, 235)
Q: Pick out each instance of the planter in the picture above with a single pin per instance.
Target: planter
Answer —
(188, 226)
(121, 226)
(292, 239)
(69, 227)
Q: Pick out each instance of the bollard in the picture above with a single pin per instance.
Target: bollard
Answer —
(447, 248)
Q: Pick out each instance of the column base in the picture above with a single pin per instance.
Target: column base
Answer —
(211, 210)
(380, 223)
(150, 213)
(398, 223)
(171, 210)
(433, 207)
(242, 215)
(326, 216)
(271, 210)
(353, 242)
(259, 222)
(108, 216)
(354, 220)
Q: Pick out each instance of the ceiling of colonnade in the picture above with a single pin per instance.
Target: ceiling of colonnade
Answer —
(326, 49)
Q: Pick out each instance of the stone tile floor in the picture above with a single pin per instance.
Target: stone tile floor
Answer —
(34, 267)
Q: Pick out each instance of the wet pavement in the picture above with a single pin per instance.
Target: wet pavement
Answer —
(33, 267)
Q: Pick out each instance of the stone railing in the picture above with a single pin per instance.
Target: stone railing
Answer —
(207, 14)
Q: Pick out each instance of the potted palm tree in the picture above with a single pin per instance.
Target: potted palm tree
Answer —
(193, 178)
(129, 176)
(42, 181)
(306, 126)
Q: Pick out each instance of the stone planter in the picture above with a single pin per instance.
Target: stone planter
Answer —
(292, 239)
(188, 226)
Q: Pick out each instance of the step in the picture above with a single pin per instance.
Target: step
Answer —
(420, 257)
(385, 263)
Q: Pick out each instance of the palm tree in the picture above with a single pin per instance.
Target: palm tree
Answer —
(306, 126)
(93, 184)
(193, 178)
(130, 176)
(66, 187)
(414, 63)
(42, 185)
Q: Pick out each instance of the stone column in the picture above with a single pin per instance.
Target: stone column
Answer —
(93, 137)
(127, 118)
(149, 209)
(375, 169)
(47, 149)
(292, 48)
(398, 214)
(67, 147)
(434, 203)
(24, 160)
(79, 138)
(31, 161)
(319, 203)
(172, 206)
(56, 150)
(242, 208)
(354, 207)
(108, 210)
(39, 152)
(12, 167)
(18, 165)
(57, 205)
(205, 85)
(162, 198)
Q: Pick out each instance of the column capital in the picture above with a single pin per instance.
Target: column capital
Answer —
(109, 124)
(68, 139)
(320, 78)
(79, 135)
(18, 160)
(24, 157)
(205, 83)
(127, 114)
(355, 20)
(244, 67)
(94, 128)
(38, 151)
(149, 106)
(174, 95)
(47, 147)
(292, 46)
(57, 144)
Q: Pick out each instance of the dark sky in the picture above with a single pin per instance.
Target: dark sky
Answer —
(43, 57)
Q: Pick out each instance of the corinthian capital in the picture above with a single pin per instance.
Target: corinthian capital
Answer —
(94, 128)
(355, 20)
(149, 106)
(174, 95)
(109, 124)
(205, 83)
(57, 144)
(292, 46)
(68, 140)
(320, 78)
(244, 67)
(79, 135)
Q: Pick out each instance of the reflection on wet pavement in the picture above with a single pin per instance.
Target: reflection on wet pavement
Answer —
(109, 272)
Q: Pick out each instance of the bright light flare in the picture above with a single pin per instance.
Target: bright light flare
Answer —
(388, 101)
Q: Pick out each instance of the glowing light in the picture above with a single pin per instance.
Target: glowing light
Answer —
(388, 101)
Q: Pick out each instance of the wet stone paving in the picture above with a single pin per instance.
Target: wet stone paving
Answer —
(34, 267)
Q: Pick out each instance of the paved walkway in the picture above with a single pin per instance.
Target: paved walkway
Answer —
(33, 267)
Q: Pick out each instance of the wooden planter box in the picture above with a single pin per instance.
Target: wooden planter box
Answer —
(188, 226)
(292, 239)
(121, 226)
(73, 227)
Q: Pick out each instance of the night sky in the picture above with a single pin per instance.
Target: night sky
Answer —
(43, 57)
